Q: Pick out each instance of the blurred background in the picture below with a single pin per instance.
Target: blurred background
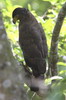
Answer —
(46, 12)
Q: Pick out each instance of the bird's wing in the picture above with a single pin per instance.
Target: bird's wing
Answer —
(33, 45)
(40, 40)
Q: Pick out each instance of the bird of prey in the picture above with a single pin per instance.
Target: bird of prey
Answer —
(32, 41)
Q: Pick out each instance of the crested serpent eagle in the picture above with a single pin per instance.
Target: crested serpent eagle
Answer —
(32, 41)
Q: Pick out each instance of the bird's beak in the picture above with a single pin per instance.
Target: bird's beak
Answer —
(14, 20)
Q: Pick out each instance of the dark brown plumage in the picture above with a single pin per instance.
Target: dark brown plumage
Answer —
(32, 41)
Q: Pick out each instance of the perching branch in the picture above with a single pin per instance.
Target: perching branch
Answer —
(54, 42)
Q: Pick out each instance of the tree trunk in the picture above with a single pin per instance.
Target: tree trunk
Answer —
(11, 81)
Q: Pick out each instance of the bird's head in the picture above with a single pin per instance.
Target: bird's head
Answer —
(19, 13)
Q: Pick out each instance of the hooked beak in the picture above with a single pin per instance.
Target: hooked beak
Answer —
(14, 20)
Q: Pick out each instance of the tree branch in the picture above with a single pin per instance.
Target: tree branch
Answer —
(54, 42)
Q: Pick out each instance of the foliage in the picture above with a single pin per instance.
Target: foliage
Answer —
(40, 8)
